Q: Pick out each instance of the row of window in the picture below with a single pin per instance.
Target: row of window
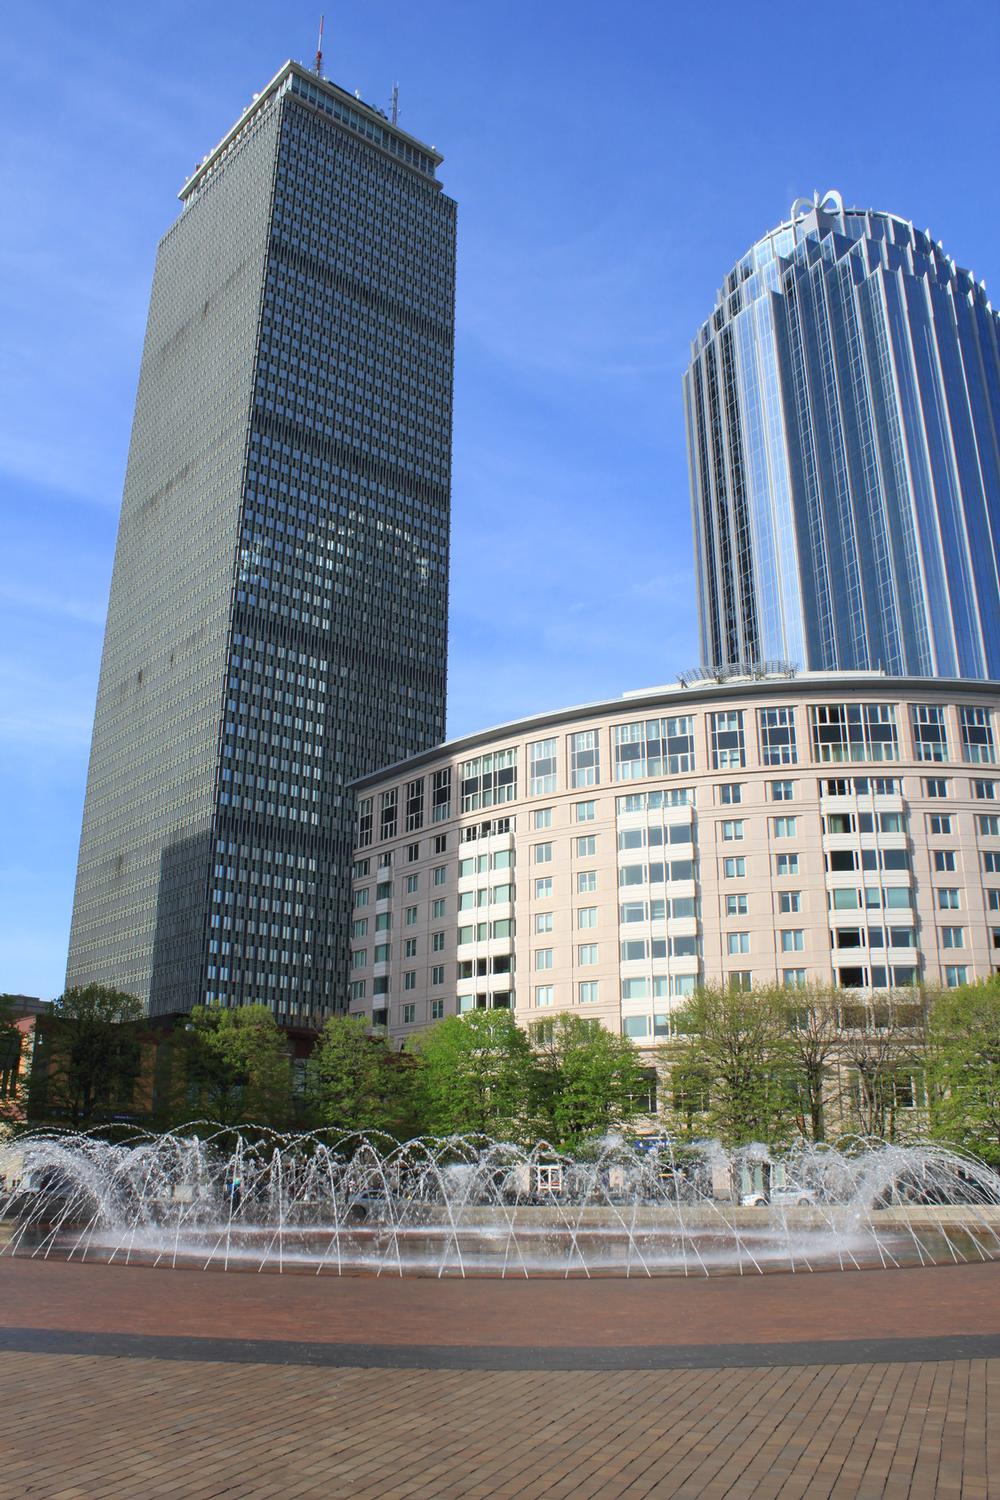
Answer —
(666, 747)
(727, 794)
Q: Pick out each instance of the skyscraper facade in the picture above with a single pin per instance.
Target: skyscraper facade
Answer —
(278, 610)
(843, 426)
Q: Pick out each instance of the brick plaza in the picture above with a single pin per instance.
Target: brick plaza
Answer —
(130, 1381)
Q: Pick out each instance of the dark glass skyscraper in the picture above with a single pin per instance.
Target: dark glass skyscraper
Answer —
(278, 613)
(843, 420)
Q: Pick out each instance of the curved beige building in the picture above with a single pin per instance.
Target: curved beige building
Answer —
(825, 828)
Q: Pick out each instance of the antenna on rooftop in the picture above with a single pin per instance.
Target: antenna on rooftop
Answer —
(319, 49)
(394, 111)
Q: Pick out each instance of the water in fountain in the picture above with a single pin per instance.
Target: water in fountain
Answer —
(461, 1206)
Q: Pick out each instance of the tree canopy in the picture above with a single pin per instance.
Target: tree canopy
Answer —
(588, 1080)
(474, 1075)
(88, 1056)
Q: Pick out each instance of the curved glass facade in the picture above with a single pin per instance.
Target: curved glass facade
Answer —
(843, 423)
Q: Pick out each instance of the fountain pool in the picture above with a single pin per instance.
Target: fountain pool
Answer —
(332, 1204)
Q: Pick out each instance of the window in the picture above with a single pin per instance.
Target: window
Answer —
(731, 792)
(440, 801)
(388, 813)
(935, 786)
(741, 979)
(584, 758)
(991, 861)
(542, 854)
(654, 747)
(362, 867)
(793, 979)
(543, 888)
(440, 874)
(854, 731)
(635, 989)
(930, 742)
(586, 916)
(977, 736)
(736, 906)
(488, 780)
(364, 834)
(383, 921)
(410, 979)
(541, 817)
(782, 791)
(776, 730)
(635, 1026)
(587, 954)
(586, 847)
(543, 958)
(437, 974)
(543, 994)
(437, 942)
(985, 791)
(585, 812)
(385, 860)
(587, 992)
(789, 901)
(952, 937)
(541, 768)
(726, 737)
(357, 989)
(955, 975)
(989, 825)
(586, 882)
(410, 948)
(939, 823)
(786, 864)
(738, 942)
(734, 867)
(948, 898)
(361, 896)
(412, 884)
(785, 828)
(359, 958)
(732, 829)
(437, 1010)
(359, 929)
(414, 805)
(383, 891)
(438, 906)
(944, 859)
(543, 921)
(793, 940)
(992, 898)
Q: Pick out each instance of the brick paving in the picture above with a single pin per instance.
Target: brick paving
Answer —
(96, 1426)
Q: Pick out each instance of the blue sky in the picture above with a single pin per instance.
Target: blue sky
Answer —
(611, 162)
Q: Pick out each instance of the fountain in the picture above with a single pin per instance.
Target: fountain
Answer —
(357, 1204)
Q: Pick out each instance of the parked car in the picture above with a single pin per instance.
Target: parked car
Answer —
(789, 1196)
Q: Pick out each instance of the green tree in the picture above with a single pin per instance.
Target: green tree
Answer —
(812, 1048)
(733, 1059)
(88, 1058)
(238, 1070)
(881, 1049)
(356, 1082)
(964, 1067)
(588, 1080)
(474, 1075)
